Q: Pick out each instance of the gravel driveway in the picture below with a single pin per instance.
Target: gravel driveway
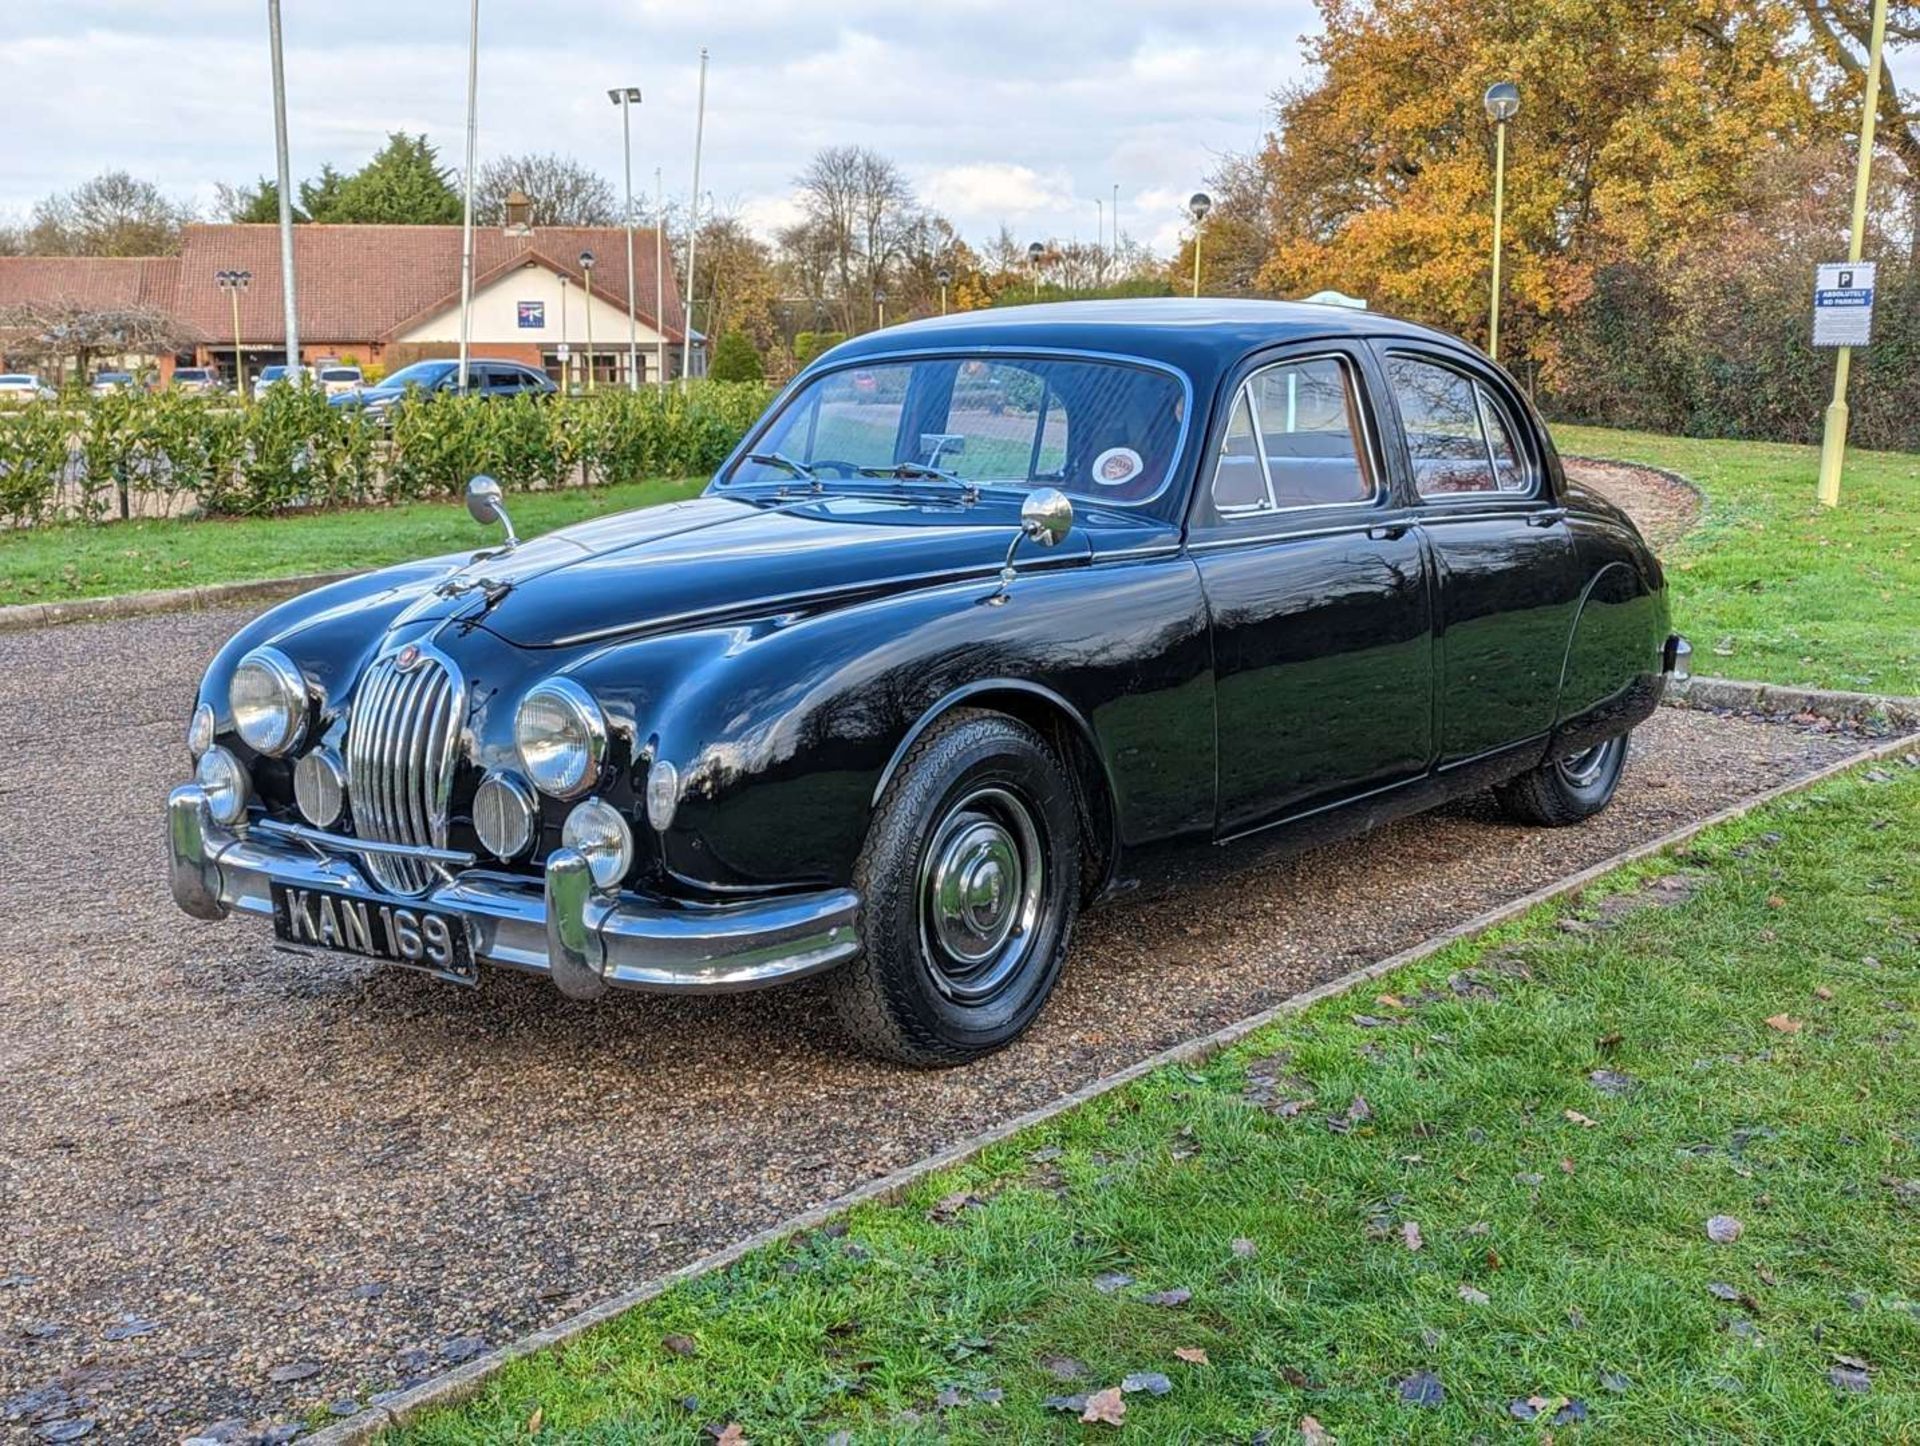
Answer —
(237, 1186)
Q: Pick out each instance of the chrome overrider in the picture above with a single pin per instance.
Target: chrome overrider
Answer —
(587, 939)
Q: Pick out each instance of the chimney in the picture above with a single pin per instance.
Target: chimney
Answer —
(519, 213)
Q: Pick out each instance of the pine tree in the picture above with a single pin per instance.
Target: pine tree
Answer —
(735, 360)
(402, 186)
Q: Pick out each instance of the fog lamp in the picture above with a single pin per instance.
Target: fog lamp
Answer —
(224, 781)
(320, 787)
(200, 731)
(503, 814)
(597, 831)
(663, 795)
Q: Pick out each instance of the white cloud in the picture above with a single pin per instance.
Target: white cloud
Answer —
(999, 109)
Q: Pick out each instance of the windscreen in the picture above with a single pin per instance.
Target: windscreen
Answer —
(1102, 430)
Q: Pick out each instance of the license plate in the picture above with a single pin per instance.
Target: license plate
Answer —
(383, 929)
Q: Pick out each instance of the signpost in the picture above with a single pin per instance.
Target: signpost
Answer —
(1843, 304)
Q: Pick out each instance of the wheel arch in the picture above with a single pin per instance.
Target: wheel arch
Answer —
(1071, 736)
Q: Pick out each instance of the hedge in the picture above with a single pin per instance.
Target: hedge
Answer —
(171, 452)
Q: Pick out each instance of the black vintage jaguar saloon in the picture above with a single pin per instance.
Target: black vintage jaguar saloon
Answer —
(989, 618)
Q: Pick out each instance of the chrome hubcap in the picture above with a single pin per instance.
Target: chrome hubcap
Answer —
(981, 881)
(1582, 768)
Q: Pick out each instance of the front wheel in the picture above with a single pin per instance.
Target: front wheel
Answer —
(969, 882)
(1569, 789)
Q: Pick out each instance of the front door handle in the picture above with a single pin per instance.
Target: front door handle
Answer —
(1546, 517)
(1387, 531)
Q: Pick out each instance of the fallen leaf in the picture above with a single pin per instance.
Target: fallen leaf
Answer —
(1786, 1024)
(1822, 992)
(731, 1434)
(681, 1345)
(1774, 901)
(297, 1371)
(1109, 1281)
(1075, 1404)
(952, 1205)
(536, 1420)
(1063, 1368)
(1152, 1382)
(1851, 1379)
(1179, 1295)
(1615, 1382)
(1106, 1407)
(1474, 1296)
(1392, 1001)
(1585, 1122)
(1422, 1388)
(1720, 1290)
(1410, 1234)
(1312, 1433)
(1724, 1229)
(1192, 1355)
(1245, 1248)
(1566, 1165)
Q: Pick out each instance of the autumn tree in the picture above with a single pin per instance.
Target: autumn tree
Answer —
(1842, 29)
(114, 214)
(858, 210)
(563, 192)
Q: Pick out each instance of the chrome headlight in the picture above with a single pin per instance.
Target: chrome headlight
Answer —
(561, 737)
(601, 835)
(268, 699)
(504, 811)
(663, 795)
(224, 780)
(200, 731)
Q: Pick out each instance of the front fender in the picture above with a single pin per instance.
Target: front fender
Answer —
(783, 729)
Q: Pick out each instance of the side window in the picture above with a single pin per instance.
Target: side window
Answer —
(1294, 440)
(1458, 438)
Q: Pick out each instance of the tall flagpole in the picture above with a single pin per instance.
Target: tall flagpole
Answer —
(466, 219)
(660, 279)
(693, 226)
(286, 186)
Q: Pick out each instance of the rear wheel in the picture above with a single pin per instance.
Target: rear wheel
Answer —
(1568, 789)
(969, 885)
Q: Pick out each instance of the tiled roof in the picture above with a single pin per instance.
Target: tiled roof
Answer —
(356, 283)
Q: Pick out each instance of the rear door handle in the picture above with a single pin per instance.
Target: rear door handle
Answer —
(1386, 531)
(1546, 517)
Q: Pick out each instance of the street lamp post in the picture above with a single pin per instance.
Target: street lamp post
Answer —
(1503, 104)
(233, 283)
(586, 271)
(880, 309)
(466, 205)
(1198, 205)
(945, 278)
(284, 171)
(693, 223)
(1099, 240)
(1035, 252)
(1833, 439)
(660, 280)
(627, 97)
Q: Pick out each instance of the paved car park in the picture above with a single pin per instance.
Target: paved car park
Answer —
(237, 1185)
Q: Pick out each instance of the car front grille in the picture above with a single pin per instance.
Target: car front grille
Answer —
(401, 749)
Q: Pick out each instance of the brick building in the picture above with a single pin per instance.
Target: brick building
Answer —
(385, 295)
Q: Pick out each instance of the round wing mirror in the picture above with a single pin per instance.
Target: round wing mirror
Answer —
(484, 500)
(1046, 516)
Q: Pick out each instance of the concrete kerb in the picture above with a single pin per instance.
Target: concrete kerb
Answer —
(465, 1381)
(170, 600)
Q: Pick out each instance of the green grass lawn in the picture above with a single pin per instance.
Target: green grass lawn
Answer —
(1772, 586)
(52, 564)
(1475, 1192)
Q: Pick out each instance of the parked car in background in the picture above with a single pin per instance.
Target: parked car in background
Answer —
(20, 387)
(989, 618)
(484, 378)
(196, 379)
(336, 380)
(278, 372)
(104, 382)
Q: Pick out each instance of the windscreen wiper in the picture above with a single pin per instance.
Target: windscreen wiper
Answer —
(914, 471)
(783, 461)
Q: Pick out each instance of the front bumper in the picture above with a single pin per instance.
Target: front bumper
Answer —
(587, 940)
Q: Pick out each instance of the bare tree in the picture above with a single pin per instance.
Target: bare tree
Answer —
(54, 332)
(859, 208)
(563, 192)
(111, 215)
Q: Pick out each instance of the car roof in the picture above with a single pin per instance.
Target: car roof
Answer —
(1201, 336)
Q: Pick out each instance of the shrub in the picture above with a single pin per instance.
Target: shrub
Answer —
(34, 443)
(735, 360)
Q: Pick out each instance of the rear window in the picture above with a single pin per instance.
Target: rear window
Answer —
(340, 374)
(189, 374)
(16, 378)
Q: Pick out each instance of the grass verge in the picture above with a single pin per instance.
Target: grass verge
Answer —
(55, 564)
(1473, 1207)
(1774, 587)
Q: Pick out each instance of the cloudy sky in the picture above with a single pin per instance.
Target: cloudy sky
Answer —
(1022, 111)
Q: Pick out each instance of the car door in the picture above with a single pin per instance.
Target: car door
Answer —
(1318, 593)
(1507, 579)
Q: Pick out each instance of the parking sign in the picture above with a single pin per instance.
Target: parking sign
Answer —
(1843, 304)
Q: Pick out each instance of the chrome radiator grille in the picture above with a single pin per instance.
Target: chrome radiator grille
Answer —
(402, 743)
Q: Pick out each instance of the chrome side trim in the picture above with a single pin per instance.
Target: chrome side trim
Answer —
(597, 940)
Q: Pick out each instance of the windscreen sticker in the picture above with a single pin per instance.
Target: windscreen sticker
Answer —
(1117, 466)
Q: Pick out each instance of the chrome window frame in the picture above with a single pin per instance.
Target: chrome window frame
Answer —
(1367, 455)
(1484, 397)
(722, 477)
